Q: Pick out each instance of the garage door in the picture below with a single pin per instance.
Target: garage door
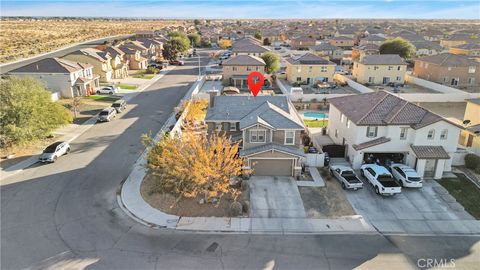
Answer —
(275, 167)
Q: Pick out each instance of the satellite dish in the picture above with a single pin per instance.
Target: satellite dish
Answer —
(466, 122)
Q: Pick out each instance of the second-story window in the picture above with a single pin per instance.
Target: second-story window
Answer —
(444, 134)
(471, 69)
(431, 134)
(403, 133)
(218, 126)
(372, 132)
(257, 135)
(234, 68)
(233, 126)
(289, 137)
(323, 69)
(249, 68)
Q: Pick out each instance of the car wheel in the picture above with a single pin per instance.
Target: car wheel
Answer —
(54, 159)
(68, 151)
(377, 190)
(110, 93)
(362, 173)
(331, 172)
(343, 186)
(98, 92)
(401, 183)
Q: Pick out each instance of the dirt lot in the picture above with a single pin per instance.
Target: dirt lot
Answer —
(326, 202)
(187, 207)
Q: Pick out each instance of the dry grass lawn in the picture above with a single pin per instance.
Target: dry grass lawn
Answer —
(187, 207)
(29, 37)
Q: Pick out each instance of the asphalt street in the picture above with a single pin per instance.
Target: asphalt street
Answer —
(65, 215)
(57, 53)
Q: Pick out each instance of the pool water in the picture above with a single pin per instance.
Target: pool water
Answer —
(315, 115)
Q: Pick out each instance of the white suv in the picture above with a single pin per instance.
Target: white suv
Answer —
(406, 176)
(53, 151)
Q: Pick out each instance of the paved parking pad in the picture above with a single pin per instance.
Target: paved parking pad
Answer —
(275, 197)
(427, 210)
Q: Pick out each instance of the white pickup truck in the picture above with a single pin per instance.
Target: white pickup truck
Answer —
(381, 179)
(346, 176)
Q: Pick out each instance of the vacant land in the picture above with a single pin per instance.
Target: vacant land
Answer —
(28, 37)
(465, 192)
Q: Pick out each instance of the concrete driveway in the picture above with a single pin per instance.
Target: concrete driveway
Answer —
(427, 210)
(275, 197)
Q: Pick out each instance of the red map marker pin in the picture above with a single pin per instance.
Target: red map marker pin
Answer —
(255, 82)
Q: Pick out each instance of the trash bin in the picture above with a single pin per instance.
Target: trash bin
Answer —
(326, 160)
(324, 131)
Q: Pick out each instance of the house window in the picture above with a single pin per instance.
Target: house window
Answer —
(299, 79)
(372, 132)
(431, 134)
(289, 137)
(310, 69)
(336, 133)
(257, 68)
(323, 69)
(445, 79)
(299, 69)
(218, 126)
(403, 133)
(444, 134)
(449, 68)
(390, 68)
(399, 68)
(371, 79)
(234, 68)
(471, 81)
(249, 68)
(471, 69)
(233, 126)
(257, 135)
(375, 68)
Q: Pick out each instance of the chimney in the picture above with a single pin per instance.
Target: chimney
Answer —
(212, 94)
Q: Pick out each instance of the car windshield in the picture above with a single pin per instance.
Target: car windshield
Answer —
(116, 105)
(51, 148)
(414, 179)
(104, 113)
(384, 177)
(348, 173)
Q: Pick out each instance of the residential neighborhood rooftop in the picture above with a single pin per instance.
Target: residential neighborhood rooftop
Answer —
(382, 59)
(244, 60)
(52, 65)
(309, 59)
(450, 59)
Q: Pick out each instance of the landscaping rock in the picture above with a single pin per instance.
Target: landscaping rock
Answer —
(236, 209)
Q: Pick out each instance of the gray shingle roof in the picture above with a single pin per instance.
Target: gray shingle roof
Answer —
(382, 59)
(248, 45)
(309, 59)
(371, 143)
(449, 59)
(383, 108)
(244, 60)
(271, 146)
(275, 112)
(101, 56)
(429, 152)
(324, 47)
(52, 65)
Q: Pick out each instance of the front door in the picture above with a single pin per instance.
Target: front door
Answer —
(386, 80)
(430, 167)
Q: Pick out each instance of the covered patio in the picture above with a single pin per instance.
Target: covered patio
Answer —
(85, 86)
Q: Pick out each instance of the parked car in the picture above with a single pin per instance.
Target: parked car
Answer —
(406, 176)
(380, 179)
(346, 176)
(176, 62)
(155, 65)
(53, 151)
(119, 105)
(110, 90)
(107, 114)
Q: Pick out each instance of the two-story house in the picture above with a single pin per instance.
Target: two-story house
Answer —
(267, 127)
(470, 136)
(119, 62)
(67, 78)
(343, 42)
(248, 46)
(135, 60)
(100, 60)
(309, 68)
(358, 52)
(383, 126)
(471, 50)
(454, 70)
(155, 47)
(302, 42)
(380, 69)
(328, 51)
(372, 39)
(237, 68)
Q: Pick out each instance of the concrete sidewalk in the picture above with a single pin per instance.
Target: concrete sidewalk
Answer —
(72, 131)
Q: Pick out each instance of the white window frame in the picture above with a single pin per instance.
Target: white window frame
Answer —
(369, 131)
(444, 134)
(292, 137)
(472, 69)
(234, 125)
(431, 134)
(218, 126)
(342, 118)
(323, 69)
(256, 135)
(403, 133)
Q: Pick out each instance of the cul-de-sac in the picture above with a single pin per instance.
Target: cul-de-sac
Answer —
(240, 135)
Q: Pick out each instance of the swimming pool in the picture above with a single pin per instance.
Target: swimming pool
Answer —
(315, 115)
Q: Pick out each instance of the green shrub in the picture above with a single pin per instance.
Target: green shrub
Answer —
(152, 70)
(472, 161)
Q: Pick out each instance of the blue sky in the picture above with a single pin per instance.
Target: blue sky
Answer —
(269, 9)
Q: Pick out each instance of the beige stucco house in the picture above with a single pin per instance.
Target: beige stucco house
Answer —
(470, 136)
(268, 129)
(237, 68)
(380, 69)
(100, 60)
(119, 62)
(309, 69)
